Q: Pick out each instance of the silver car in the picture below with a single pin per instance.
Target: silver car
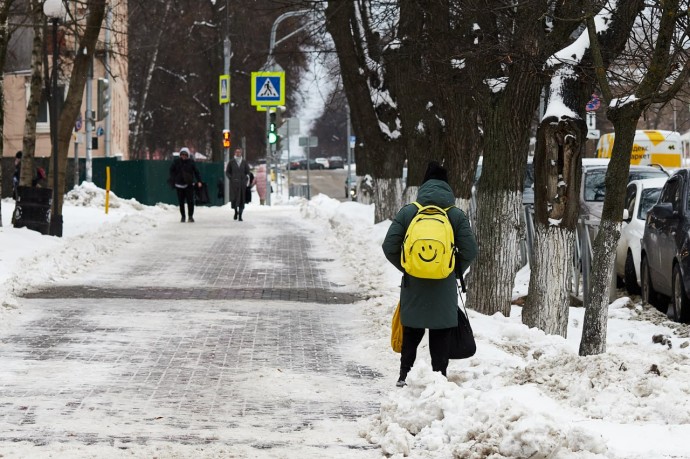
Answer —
(593, 187)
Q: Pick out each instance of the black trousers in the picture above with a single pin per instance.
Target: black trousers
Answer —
(439, 344)
(186, 194)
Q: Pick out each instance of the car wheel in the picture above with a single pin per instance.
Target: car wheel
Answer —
(680, 305)
(649, 296)
(631, 276)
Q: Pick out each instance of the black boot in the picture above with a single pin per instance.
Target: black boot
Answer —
(235, 217)
(240, 215)
(182, 219)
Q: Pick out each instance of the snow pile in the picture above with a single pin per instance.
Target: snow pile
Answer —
(524, 394)
(89, 195)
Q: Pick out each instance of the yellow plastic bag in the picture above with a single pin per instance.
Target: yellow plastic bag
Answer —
(396, 331)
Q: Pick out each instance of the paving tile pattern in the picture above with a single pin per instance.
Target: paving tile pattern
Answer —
(231, 346)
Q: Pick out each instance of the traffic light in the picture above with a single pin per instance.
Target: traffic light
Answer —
(272, 128)
(226, 138)
(103, 98)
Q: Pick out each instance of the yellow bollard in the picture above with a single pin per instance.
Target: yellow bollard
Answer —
(107, 188)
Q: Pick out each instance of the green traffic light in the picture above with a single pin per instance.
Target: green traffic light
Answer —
(272, 134)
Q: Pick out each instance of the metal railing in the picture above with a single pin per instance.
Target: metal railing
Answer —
(582, 254)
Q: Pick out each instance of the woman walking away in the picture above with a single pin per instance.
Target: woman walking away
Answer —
(429, 303)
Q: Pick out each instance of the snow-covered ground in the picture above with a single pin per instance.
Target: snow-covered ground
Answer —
(523, 395)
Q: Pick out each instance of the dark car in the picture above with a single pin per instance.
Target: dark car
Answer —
(294, 164)
(336, 162)
(665, 262)
(313, 165)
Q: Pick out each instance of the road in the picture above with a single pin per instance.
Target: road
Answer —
(329, 182)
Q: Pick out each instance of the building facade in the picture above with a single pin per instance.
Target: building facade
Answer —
(109, 135)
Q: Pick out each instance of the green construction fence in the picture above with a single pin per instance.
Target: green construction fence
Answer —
(147, 180)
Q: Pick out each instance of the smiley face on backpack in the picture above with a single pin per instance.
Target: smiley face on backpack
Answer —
(427, 252)
(428, 249)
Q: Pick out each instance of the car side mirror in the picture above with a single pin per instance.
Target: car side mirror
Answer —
(664, 210)
(626, 215)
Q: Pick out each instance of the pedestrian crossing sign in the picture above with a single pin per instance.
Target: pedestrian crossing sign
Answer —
(268, 88)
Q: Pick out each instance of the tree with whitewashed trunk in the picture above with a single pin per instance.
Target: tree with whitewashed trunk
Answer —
(374, 111)
(516, 42)
(558, 167)
(654, 68)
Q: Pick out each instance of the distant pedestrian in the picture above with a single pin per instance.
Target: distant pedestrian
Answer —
(184, 176)
(250, 185)
(261, 183)
(37, 181)
(16, 174)
(429, 303)
(238, 173)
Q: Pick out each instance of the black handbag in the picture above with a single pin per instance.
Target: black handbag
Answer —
(462, 345)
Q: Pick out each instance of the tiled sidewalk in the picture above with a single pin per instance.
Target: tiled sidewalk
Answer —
(213, 347)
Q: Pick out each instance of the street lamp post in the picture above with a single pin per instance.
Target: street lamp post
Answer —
(55, 10)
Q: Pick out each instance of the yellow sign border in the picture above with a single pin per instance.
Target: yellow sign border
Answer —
(221, 99)
(269, 103)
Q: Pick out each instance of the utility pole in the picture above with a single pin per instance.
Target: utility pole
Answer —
(227, 54)
(271, 65)
(89, 119)
(106, 63)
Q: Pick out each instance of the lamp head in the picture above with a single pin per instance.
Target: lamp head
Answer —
(54, 9)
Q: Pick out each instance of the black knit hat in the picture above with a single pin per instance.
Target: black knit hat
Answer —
(435, 171)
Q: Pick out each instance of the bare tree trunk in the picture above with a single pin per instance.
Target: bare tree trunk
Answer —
(29, 141)
(72, 105)
(499, 230)
(137, 139)
(660, 83)
(387, 197)
(594, 327)
(382, 155)
(557, 170)
(4, 40)
(498, 236)
(547, 308)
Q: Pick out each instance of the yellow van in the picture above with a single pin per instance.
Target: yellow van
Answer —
(650, 147)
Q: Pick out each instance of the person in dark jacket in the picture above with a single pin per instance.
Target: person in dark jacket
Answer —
(238, 173)
(184, 176)
(17, 171)
(429, 303)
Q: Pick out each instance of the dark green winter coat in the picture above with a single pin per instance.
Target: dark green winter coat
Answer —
(431, 303)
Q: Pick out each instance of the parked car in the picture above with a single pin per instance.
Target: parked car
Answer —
(294, 164)
(640, 196)
(665, 262)
(313, 165)
(593, 185)
(324, 162)
(336, 162)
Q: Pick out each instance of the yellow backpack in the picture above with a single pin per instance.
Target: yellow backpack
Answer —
(428, 248)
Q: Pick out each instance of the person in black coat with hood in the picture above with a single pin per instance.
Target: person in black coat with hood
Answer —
(184, 176)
